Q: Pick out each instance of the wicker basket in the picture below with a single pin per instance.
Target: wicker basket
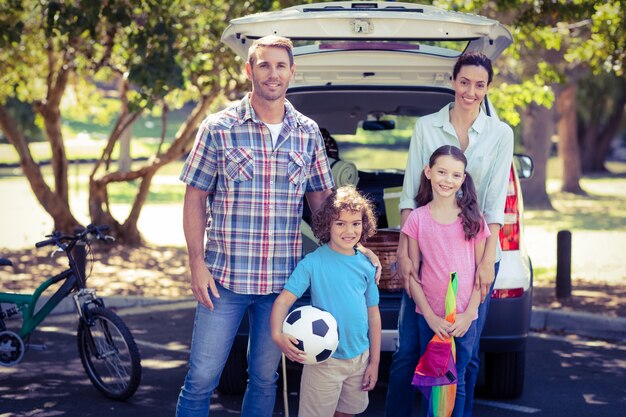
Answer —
(384, 244)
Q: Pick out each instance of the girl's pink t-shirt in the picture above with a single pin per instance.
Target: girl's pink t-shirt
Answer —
(444, 250)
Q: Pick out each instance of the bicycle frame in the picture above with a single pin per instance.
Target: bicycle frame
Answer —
(28, 302)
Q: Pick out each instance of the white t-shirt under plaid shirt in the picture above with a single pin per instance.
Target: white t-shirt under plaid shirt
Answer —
(256, 193)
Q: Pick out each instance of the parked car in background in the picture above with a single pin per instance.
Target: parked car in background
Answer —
(365, 72)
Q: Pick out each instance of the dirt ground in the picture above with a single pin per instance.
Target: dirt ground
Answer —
(161, 271)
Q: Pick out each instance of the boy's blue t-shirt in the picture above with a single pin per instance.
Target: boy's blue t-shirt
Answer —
(343, 285)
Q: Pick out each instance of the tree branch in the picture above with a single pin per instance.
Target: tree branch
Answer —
(163, 127)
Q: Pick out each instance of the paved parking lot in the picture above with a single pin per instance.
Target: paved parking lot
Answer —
(566, 376)
(52, 382)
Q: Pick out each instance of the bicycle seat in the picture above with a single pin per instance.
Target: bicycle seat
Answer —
(5, 262)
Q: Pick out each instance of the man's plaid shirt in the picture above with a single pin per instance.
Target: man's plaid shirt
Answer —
(256, 194)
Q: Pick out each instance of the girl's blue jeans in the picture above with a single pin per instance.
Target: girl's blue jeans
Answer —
(400, 393)
(464, 348)
(213, 335)
(471, 373)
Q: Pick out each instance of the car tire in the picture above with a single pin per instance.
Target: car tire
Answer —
(234, 377)
(504, 374)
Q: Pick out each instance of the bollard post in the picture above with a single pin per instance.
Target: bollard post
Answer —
(564, 264)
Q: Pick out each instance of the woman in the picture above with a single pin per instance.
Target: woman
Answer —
(487, 143)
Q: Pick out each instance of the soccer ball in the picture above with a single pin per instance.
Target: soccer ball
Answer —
(316, 331)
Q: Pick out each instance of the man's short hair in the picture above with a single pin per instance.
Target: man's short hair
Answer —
(273, 41)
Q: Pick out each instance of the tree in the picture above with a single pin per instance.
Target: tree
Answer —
(58, 57)
(556, 44)
(601, 109)
(595, 52)
(603, 92)
(163, 54)
(568, 138)
(210, 71)
(589, 43)
(31, 55)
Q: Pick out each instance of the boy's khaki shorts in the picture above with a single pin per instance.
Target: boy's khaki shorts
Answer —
(334, 385)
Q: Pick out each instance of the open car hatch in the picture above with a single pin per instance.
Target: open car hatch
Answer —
(382, 22)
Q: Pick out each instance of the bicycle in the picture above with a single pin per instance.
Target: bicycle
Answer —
(107, 349)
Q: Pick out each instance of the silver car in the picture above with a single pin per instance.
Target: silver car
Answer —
(365, 71)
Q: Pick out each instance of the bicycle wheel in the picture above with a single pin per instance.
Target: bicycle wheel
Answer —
(109, 354)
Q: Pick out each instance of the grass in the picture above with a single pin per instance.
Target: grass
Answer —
(81, 147)
(602, 208)
(599, 216)
(163, 190)
(543, 276)
(85, 140)
(145, 127)
(165, 187)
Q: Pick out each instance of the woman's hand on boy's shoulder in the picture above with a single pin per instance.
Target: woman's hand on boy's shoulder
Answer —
(373, 259)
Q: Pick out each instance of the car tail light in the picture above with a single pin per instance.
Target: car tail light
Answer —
(508, 293)
(510, 231)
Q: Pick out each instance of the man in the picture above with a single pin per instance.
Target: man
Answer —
(252, 164)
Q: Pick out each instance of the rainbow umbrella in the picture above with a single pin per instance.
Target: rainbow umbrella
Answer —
(435, 375)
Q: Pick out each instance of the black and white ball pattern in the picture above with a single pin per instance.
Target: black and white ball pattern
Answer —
(316, 331)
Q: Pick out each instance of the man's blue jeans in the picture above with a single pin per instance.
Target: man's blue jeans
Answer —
(400, 392)
(464, 348)
(213, 335)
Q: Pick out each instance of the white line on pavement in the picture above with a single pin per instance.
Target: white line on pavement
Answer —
(578, 340)
(506, 406)
(170, 347)
(162, 347)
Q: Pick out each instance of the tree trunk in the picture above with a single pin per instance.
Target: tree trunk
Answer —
(124, 162)
(52, 123)
(538, 129)
(601, 110)
(568, 139)
(51, 202)
(51, 113)
(598, 146)
(589, 133)
(99, 210)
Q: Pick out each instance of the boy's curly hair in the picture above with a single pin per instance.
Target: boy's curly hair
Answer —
(344, 198)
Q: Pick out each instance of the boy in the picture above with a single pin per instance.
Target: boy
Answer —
(342, 282)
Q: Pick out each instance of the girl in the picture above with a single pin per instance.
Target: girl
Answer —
(487, 143)
(449, 233)
(342, 282)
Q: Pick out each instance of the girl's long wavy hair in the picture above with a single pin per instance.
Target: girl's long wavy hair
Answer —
(344, 198)
(466, 198)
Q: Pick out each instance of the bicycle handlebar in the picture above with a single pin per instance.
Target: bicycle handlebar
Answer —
(44, 243)
(89, 233)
